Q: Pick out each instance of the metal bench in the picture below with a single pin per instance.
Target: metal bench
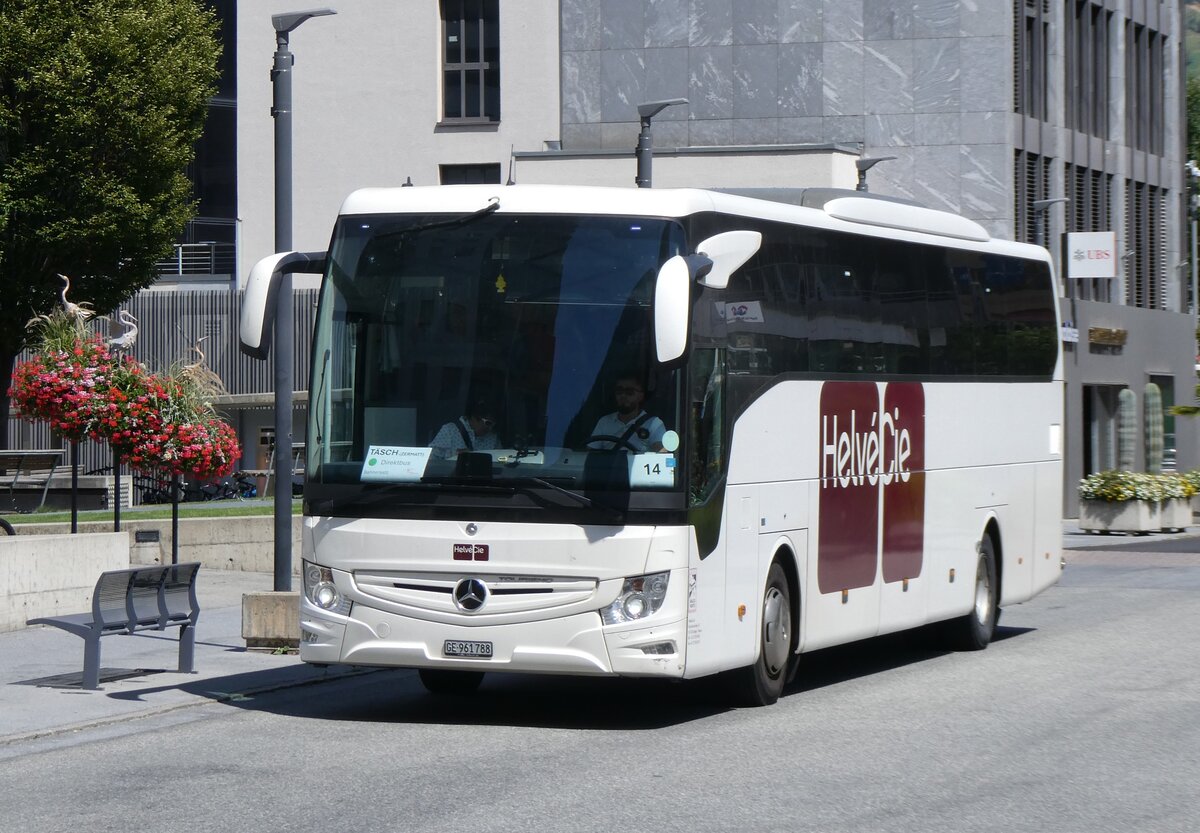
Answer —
(138, 599)
(29, 468)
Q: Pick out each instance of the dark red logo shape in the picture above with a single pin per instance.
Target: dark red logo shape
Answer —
(867, 447)
(848, 541)
(903, 439)
(470, 552)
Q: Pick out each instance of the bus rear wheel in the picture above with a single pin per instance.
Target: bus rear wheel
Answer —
(974, 631)
(761, 684)
(438, 681)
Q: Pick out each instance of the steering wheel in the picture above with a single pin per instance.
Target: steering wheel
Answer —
(619, 442)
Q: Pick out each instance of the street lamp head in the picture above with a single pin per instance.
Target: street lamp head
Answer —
(649, 109)
(865, 164)
(288, 21)
(1042, 205)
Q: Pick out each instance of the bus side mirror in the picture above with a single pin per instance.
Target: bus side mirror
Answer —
(672, 303)
(262, 288)
(728, 251)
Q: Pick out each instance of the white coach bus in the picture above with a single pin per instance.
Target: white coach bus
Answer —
(855, 428)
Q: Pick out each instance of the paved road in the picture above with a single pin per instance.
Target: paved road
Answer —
(1083, 716)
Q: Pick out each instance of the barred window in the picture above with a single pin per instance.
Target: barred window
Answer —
(471, 61)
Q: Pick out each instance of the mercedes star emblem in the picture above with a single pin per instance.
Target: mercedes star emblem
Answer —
(470, 594)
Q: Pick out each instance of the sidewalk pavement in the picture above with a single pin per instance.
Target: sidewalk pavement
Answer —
(41, 667)
(1075, 538)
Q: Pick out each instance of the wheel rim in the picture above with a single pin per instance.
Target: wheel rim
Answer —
(776, 631)
(983, 593)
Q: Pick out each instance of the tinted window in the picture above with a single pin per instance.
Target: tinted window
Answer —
(828, 303)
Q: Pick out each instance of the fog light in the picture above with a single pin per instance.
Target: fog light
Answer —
(640, 596)
(659, 648)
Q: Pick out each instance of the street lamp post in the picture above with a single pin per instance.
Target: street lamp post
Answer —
(281, 111)
(1039, 210)
(645, 144)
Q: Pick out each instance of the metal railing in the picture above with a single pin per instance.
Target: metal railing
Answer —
(209, 258)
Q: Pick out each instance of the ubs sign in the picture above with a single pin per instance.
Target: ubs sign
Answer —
(872, 501)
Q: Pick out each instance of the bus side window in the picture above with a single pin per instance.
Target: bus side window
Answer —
(707, 429)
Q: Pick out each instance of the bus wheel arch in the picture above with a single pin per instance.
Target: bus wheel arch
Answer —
(974, 630)
(762, 682)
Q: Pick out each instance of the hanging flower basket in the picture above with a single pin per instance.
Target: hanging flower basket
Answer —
(66, 388)
(162, 424)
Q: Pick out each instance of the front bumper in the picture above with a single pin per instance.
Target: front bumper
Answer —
(573, 644)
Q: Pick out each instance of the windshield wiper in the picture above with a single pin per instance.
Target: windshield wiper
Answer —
(382, 492)
(491, 208)
(508, 485)
(584, 500)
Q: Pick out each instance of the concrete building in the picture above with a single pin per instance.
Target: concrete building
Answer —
(996, 110)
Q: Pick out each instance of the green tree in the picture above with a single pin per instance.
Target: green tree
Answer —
(101, 103)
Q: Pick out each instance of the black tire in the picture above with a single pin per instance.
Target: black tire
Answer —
(7, 527)
(761, 684)
(437, 681)
(974, 631)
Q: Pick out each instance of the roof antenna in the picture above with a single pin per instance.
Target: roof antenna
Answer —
(511, 159)
(407, 182)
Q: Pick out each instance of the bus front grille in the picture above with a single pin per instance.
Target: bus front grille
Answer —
(496, 594)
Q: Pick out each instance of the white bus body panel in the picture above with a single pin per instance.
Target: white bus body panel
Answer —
(401, 616)
(989, 458)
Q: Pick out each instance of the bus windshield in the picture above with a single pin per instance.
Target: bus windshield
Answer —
(493, 355)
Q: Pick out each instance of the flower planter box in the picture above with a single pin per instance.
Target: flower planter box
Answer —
(1120, 516)
(1176, 514)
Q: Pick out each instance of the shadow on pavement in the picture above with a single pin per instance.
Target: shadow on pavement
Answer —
(537, 701)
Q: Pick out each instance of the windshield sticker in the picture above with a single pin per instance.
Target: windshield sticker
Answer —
(394, 464)
(741, 312)
(652, 470)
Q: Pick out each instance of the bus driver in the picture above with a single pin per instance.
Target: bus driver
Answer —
(629, 427)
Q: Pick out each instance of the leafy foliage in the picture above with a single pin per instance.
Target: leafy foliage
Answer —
(101, 103)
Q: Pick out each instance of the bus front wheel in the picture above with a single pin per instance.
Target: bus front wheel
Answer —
(761, 684)
(974, 631)
(438, 681)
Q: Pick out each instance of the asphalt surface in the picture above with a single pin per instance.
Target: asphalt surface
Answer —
(41, 667)
(1079, 718)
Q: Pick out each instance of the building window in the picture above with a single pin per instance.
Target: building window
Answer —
(1089, 209)
(1145, 241)
(1032, 181)
(1144, 89)
(1086, 45)
(1032, 38)
(470, 61)
(487, 174)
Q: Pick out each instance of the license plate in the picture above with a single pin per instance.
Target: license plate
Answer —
(460, 648)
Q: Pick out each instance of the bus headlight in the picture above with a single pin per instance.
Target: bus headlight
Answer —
(640, 596)
(321, 591)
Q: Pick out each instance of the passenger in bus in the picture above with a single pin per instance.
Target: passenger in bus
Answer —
(629, 427)
(471, 432)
